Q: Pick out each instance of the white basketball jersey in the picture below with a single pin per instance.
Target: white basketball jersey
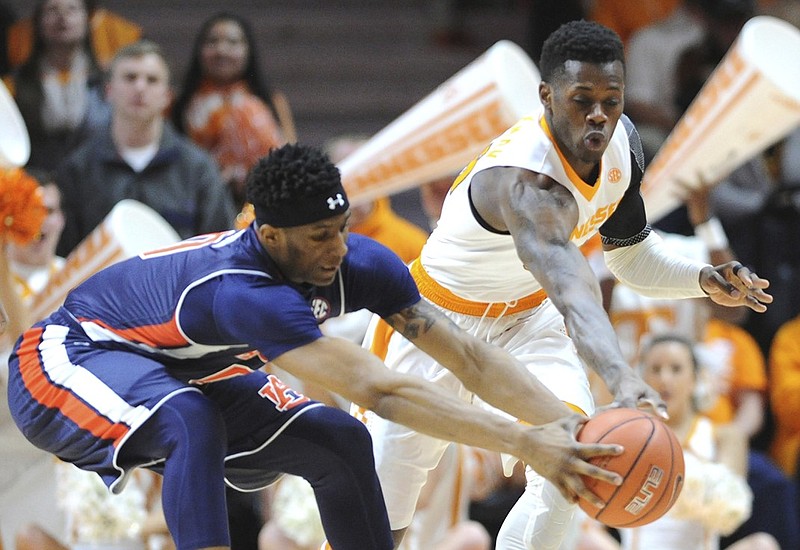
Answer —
(481, 265)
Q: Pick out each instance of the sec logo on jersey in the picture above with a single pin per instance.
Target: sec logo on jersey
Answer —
(614, 175)
(321, 308)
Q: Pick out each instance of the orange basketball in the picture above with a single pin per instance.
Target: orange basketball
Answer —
(651, 467)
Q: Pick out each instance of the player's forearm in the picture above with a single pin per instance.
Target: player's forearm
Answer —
(429, 410)
(572, 287)
(596, 343)
(358, 375)
(653, 270)
(484, 369)
(505, 383)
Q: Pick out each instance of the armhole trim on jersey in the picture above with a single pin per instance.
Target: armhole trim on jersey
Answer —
(478, 218)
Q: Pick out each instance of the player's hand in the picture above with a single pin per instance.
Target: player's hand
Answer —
(633, 392)
(732, 284)
(560, 459)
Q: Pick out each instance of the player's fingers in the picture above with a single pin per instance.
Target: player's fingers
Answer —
(591, 450)
(573, 423)
(718, 283)
(568, 487)
(746, 280)
(753, 303)
(656, 405)
(588, 469)
(582, 491)
(752, 286)
(757, 286)
(741, 275)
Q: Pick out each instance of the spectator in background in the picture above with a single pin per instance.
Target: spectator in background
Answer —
(226, 104)
(722, 22)
(27, 474)
(736, 365)
(715, 499)
(755, 203)
(109, 32)
(33, 264)
(58, 89)
(651, 57)
(760, 203)
(140, 156)
(624, 19)
(784, 371)
(734, 380)
(449, 18)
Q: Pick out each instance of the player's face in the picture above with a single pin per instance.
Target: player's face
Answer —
(669, 369)
(582, 107)
(312, 253)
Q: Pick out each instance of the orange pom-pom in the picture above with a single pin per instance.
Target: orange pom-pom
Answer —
(22, 210)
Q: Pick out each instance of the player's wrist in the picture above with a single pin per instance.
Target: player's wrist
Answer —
(614, 375)
(704, 276)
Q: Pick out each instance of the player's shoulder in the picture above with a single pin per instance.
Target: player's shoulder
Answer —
(631, 135)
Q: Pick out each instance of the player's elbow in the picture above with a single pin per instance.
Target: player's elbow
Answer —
(392, 396)
(374, 392)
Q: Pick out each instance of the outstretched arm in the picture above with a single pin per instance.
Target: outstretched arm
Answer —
(484, 369)
(540, 214)
(360, 376)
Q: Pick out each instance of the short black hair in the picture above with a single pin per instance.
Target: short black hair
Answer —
(290, 173)
(579, 40)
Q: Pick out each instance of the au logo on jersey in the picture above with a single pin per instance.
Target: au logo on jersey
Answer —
(321, 308)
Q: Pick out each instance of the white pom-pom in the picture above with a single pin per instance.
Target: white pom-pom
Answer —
(295, 511)
(713, 495)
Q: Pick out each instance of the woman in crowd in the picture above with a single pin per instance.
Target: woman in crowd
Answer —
(226, 105)
(58, 89)
(715, 498)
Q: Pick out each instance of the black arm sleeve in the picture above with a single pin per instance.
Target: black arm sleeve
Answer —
(628, 224)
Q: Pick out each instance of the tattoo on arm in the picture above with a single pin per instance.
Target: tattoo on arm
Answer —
(416, 320)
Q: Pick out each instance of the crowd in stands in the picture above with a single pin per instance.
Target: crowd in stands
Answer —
(108, 120)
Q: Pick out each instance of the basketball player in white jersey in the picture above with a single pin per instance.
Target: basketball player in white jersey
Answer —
(504, 264)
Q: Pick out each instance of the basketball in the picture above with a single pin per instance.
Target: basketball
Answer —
(651, 467)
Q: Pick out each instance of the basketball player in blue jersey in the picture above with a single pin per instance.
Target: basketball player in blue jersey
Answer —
(503, 263)
(156, 362)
